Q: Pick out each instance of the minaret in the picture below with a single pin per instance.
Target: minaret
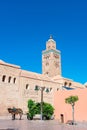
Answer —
(51, 59)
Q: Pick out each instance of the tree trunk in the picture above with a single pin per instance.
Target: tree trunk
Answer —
(41, 103)
(73, 114)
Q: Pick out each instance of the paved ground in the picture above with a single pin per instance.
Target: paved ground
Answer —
(24, 124)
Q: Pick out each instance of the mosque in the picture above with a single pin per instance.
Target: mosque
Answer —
(17, 86)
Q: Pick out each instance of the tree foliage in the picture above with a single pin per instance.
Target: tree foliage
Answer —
(31, 109)
(48, 110)
(35, 108)
(71, 100)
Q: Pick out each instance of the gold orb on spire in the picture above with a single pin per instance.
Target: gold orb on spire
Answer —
(51, 36)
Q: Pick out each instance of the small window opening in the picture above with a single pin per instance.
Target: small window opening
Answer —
(3, 78)
(36, 87)
(9, 79)
(27, 86)
(14, 80)
(70, 84)
(65, 83)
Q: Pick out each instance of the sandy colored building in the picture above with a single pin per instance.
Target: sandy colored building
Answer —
(17, 86)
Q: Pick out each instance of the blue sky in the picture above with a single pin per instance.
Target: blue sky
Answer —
(25, 26)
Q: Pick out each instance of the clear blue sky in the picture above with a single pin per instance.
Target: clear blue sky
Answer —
(25, 26)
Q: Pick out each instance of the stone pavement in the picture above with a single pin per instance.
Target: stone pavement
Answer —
(7, 124)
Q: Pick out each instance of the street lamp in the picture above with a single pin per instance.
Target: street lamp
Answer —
(41, 89)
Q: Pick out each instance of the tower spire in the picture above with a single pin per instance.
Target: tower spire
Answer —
(51, 61)
(51, 36)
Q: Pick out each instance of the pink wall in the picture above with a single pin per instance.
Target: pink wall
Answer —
(62, 108)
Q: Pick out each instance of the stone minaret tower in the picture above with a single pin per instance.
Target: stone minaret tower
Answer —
(51, 59)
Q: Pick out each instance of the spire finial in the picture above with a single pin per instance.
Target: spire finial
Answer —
(51, 36)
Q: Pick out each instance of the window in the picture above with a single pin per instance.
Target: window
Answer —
(53, 46)
(47, 63)
(14, 80)
(27, 86)
(65, 83)
(56, 64)
(3, 78)
(57, 89)
(47, 57)
(9, 79)
(47, 73)
(50, 89)
(48, 47)
(36, 87)
(70, 84)
(47, 90)
(56, 56)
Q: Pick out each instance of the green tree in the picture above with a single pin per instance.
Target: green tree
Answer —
(31, 109)
(48, 110)
(71, 100)
(35, 108)
(38, 108)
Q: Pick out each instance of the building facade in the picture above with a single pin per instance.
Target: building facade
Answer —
(17, 86)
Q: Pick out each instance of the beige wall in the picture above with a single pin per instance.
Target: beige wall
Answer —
(30, 93)
(16, 94)
(9, 91)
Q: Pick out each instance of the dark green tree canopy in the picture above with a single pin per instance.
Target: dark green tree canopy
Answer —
(35, 108)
